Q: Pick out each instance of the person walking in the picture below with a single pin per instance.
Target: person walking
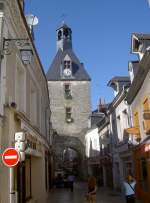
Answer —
(71, 179)
(92, 188)
(129, 188)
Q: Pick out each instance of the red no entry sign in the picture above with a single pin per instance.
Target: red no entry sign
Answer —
(10, 157)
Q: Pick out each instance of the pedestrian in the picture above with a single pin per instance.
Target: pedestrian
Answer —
(129, 188)
(71, 179)
(91, 195)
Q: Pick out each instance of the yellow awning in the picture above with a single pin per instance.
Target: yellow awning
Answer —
(133, 131)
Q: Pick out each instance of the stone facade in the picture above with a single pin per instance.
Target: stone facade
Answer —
(80, 104)
(66, 70)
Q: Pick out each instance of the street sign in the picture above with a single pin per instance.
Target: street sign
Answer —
(10, 157)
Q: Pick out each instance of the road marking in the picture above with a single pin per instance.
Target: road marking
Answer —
(11, 157)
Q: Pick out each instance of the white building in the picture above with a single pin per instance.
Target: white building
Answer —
(92, 144)
(119, 114)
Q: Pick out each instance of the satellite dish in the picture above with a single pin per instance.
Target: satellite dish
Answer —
(31, 20)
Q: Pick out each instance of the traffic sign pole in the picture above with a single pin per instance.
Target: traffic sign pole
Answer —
(11, 185)
(10, 158)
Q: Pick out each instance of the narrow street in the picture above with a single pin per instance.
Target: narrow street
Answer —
(61, 195)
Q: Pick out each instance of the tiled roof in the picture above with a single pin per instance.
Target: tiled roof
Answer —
(118, 79)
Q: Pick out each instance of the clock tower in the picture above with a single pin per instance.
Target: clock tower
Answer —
(69, 91)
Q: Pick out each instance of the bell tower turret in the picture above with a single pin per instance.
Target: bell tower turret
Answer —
(64, 37)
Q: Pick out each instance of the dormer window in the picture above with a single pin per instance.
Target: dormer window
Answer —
(67, 64)
(67, 67)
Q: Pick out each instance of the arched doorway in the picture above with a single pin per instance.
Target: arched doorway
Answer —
(71, 161)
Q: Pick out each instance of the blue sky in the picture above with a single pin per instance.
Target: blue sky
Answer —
(101, 35)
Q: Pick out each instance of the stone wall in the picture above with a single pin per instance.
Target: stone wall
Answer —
(80, 104)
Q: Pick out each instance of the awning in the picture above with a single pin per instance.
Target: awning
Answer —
(133, 131)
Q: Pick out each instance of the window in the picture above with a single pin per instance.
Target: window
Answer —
(20, 89)
(59, 35)
(136, 119)
(119, 128)
(33, 104)
(146, 123)
(126, 119)
(69, 118)
(67, 89)
(136, 123)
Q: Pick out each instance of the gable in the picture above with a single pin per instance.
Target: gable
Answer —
(78, 71)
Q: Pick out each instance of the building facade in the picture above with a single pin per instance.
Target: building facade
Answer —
(119, 115)
(24, 107)
(139, 99)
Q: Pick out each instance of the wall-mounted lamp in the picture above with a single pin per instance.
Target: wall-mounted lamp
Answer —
(24, 47)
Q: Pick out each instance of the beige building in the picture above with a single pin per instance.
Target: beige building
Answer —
(24, 107)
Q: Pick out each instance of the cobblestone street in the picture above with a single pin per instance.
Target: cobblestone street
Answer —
(66, 196)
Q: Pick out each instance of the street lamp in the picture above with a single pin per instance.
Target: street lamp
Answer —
(24, 47)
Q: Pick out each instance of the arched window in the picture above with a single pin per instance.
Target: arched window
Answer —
(59, 35)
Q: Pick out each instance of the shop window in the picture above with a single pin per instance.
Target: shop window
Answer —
(67, 91)
(146, 124)
(28, 178)
(144, 174)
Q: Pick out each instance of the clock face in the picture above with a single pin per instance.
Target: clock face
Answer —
(67, 72)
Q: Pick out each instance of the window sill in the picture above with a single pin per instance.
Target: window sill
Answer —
(69, 120)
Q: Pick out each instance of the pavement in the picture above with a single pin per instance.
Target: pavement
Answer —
(104, 195)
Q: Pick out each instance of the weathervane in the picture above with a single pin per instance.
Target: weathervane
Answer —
(62, 17)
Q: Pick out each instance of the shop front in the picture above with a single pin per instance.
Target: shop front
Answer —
(142, 171)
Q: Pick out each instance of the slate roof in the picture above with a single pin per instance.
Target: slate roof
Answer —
(119, 79)
(96, 118)
(78, 71)
(142, 36)
(63, 25)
